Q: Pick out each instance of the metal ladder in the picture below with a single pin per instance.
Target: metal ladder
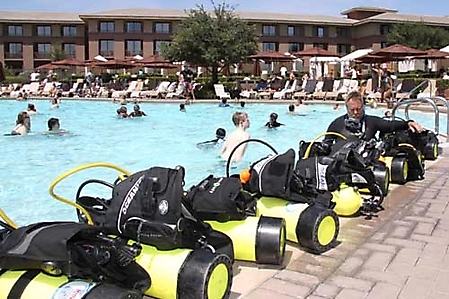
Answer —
(428, 100)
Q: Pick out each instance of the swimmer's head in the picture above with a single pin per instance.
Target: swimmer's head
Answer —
(136, 107)
(31, 107)
(291, 108)
(182, 107)
(53, 124)
(220, 133)
(273, 116)
(123, 109)
(242, 104)
(22, 117)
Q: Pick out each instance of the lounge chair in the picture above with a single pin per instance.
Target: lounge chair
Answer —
(123, 93)
(308, 89)
(178, 93)
(158, 92)
(287, 91)
(327, 86)
(430, 89)
(333, 94)
(406, 87)
(220, 92)
(137, 90)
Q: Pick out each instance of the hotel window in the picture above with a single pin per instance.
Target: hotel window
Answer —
(68, 30)
(295, 47)
(291, 31)
(383, 45)
(270, 46)
(385, 29)
(132, 27)
(320, 32)
(323, 46)
(106, 47)
(269, 30)
(107, 27)
(342, 32)
(42, 51)
(158, 45)
(70, 50)
(133, 47)
(162, 27)
(44, 30)
(14, 50)
(343, 49)
(15, 30)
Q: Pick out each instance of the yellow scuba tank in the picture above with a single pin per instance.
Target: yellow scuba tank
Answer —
(314, 227)
(260, 239)
(35, 284)
(348, 201)
(176, 273)
(182, 273)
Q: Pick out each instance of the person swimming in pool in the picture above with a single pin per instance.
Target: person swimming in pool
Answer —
(220, 135)
(23, 124)
(55, 102)
(291, 110)
(182, 107)
(273, 123)
(122, 112)
(137, 112)
(54, 127)
(224, 103)
(241, 122)
(31, 109)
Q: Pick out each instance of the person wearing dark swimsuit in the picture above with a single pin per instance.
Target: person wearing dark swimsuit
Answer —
(273, 123)
(356, 123)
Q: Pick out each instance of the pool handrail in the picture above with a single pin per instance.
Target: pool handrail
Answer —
(431, 101)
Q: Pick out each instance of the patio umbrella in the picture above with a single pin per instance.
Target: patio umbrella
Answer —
(153, 60)
(315, 52)
(51, 66)
(371, 58)
(433, 54)
(272, 56)
(116, 64)
(397, 51)
(69, 62)
(161, 65)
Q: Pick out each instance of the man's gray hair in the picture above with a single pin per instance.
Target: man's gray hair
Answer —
(354, 95)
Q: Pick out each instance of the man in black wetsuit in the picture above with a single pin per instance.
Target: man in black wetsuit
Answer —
(356, 123)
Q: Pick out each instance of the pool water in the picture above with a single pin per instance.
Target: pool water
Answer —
(166, 137)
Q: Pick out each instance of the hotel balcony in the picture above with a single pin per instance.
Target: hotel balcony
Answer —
(9, 55)
(133, 53)
(107, 53)
(42, 55)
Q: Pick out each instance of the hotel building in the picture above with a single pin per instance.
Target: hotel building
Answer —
(28, 39)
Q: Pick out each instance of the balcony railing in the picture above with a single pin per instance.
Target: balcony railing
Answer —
(42, 55)
(13, 55)
(107, 53)
(70, 54)
(133, 53)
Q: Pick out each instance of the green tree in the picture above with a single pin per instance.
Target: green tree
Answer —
(212, 40)
(57, 53)
(418, 36)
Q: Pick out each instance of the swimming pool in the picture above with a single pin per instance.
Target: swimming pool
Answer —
(166, 137)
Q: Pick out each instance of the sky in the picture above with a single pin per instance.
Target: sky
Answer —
(323, 7)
